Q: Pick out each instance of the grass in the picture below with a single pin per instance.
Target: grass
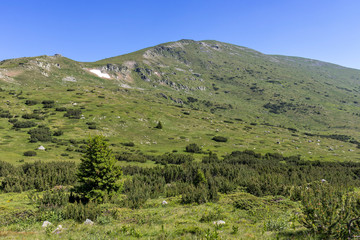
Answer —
(174, 221)
(188, 86)
(125, 117)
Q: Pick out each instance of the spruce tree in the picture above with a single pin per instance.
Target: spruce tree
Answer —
(97, 174)
(159, 125)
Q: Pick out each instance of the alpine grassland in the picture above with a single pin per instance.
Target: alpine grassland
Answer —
(183, 140)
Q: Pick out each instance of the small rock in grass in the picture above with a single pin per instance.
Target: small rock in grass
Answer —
(219, 223)
(46, 224)
(58, 230)
(88, 222)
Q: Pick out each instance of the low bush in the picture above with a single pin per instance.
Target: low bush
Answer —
(159, 125)
(31, 102)
(32, 116)
(171, 158)
(39, 175)
(41, 133)
(327, 209)
(73, 113)
(48, 105)
(5, 114)
(128, 144)
(60, 109)
(193, 148)
(58, 133)
(30, 153)
(24, 124)
(133, 157)
(219, 139)
(48, 102)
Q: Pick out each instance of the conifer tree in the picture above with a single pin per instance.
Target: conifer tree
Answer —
(97, 174)
(159, 125)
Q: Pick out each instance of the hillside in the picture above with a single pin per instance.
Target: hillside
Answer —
(213, 140)
(197, 89)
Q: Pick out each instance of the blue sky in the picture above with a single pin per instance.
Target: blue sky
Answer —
(327, 30)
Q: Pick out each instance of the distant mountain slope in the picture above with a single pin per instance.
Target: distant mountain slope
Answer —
(210, 81)
(320, 93)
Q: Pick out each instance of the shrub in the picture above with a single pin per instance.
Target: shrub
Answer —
(30, 153)
(41, 133)
(13, 120)
(219, 139)
(133, 157)
(56, 197)
(328, 209)
(60, 109)
(193, 148)
(32, 116)
(171, 158)
(38, 175)
(31, 102)
(159, 125)
(80, 212)
(128, 144)
(48, 102)
(5, 114)
(58, 133)
(48, 105)
(73, 113)
(24, 124)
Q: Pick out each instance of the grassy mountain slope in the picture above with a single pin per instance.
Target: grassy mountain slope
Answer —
(197, 90)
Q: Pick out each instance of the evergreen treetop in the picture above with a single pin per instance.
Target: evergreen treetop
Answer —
(97, 174)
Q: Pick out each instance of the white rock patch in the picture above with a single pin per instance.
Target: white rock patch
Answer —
(99, 73)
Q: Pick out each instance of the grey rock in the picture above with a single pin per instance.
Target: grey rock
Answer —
(88, 222)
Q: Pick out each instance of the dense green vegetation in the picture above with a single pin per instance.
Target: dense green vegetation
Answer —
(323, 191)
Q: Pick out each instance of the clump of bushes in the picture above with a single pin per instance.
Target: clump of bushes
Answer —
(39, 175)
(327, 209)
(128, 144)
(30, 153)
(60, 109)
(219, 139)
(133, 157)
(193, 148)
(24, 124)
(31, 102)
(32, 116)
(5, 114)
(58, 133)
(171, 158)
(91, 125)
(41, 133)
(48, 103)
(73, 113)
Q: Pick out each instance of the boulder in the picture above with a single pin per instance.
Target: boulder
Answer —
(219, 223)
(41, 148)
(58, 230)
(46, 224)
(88, 222)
